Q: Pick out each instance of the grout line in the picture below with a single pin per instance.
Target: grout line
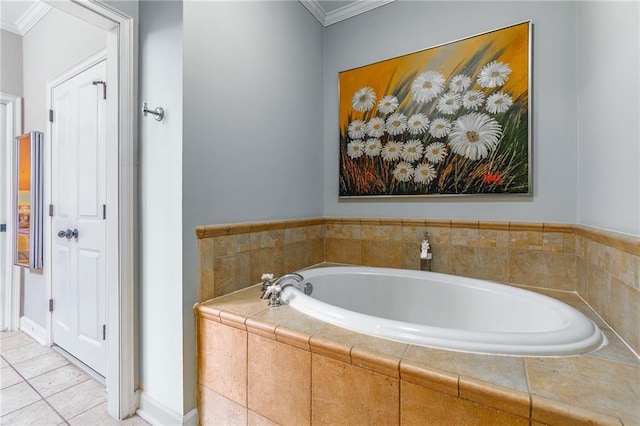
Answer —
(38, 393)
(310, 383)
(529, 390)
(611, 329)
(68, 387)
(71, 363)
(88, 409)
(45, 399)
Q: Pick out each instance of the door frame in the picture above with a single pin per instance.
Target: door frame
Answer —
(11, 286)
(122, 357)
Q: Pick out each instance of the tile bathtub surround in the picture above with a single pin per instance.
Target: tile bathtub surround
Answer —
(231, 256)
(533, 254)
(609, 279)
(603, 267)
(333, 375)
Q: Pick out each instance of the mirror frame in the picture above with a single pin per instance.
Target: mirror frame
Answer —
(28, 241)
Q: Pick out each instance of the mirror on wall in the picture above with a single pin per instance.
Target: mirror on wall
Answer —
(28, 200)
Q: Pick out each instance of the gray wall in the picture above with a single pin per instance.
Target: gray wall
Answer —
(608, 115)
(11, 63)
(45, 57)
(253, 94)
(406, 26)
(160, 208)
(253, 91)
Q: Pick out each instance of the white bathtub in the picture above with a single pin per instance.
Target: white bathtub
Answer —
(444, 311)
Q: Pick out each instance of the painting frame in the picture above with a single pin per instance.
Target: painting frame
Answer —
(449, 120)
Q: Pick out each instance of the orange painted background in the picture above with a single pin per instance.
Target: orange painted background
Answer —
(24, 167)
(509, 45)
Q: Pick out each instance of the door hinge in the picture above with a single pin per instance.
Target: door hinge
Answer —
(50, 305)
(51, 210)
(104, 87)
(104, 332)
(51, 116)
(104, 211)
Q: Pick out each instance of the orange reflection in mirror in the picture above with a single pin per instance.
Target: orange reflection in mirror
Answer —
(24, 199)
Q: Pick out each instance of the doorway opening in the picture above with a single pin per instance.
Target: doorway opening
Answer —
(120, 356)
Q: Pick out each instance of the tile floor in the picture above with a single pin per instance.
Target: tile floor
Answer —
(40, 387)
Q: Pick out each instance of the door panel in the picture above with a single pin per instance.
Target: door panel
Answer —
(87, 151)
(78, 193)
(61, 134)
(89, 272)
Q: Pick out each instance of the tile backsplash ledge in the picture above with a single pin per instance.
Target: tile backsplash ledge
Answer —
(603, 267)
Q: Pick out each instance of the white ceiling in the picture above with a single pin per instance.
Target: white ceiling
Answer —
(331, 11)
(18, 16)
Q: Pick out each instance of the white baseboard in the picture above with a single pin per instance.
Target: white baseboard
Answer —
(157, 414)
(34, 330)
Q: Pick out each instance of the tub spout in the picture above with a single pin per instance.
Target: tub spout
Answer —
(292, 276)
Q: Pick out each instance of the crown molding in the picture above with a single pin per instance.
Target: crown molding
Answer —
(27, 20)
(8, 26)
(355, 8)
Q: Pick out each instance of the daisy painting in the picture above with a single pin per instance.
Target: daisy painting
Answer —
(448, 120)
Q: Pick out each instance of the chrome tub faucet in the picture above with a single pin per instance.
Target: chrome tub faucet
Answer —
(271, 288)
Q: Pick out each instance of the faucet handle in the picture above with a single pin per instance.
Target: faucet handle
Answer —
(272, 292)
(267, 279)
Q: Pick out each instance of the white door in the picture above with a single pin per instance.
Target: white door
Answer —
(78, 193)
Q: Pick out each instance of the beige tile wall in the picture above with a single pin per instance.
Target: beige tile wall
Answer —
(604, 267)
(233, 257)
(540, 255)
(609, 279)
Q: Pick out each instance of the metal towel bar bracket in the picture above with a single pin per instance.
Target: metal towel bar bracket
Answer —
(158, 112)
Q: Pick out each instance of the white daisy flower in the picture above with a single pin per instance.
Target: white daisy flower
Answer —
(440, 127)
(396, 124)
(472, 99)
(403, 172)
(498, 102)
(392, 151)
(459, 83)
(373, 147)
(375, 127)
(424, 173)
(475, 135)
(388, 104)
(356, 129)
(435, 152)
(355, 148)
(427, 86)
(494, 74)
(418, 123)
(412, 150)
(364, 99)
(449, 103)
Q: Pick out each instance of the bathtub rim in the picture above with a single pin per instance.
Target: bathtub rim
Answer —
(580, 336)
